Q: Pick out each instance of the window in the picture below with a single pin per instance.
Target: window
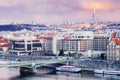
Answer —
(79, 36)
(19, 45)
(82, 36)
(28, 46)
(88, 36)
(37, 45)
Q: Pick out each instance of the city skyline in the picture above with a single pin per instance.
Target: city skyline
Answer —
(58, 11)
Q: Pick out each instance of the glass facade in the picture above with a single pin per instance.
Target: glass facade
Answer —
(36, 45)
(19, 45)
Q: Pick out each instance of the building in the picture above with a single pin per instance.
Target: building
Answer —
(49, 42)
(100, 41)
(113, 48)
(79, 41)
(24, 44)
(67, 45)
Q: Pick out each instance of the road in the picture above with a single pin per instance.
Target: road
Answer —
(24, 58)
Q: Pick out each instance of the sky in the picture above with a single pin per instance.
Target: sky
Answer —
(58, 11)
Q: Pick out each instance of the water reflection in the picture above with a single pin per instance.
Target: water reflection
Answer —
(13, 74)
(70, 76)
(58, 77)
(8, 73)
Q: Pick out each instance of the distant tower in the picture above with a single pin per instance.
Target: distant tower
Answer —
(93, 20)
(93, 16)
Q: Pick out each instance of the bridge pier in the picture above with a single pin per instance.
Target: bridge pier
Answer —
(38, 67)
(26, 70)
(31, 70)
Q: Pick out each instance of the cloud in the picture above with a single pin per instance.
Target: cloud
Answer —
(101, 4)
(6, 3)
(96, 5)
(50, 11)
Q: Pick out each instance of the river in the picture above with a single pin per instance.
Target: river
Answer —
(13, 74)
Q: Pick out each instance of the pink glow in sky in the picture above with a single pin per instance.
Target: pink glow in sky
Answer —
(57, 11)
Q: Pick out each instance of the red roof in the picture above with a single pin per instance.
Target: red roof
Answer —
(4, 45)
(68, 37)
(0, 37)
(2, 41)
(15, 35)
(116, 40)
(100, 32)
(45, 37)
(48, 37)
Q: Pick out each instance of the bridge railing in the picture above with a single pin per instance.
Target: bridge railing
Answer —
(34, 62)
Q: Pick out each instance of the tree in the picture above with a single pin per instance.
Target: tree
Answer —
(61, 53)
(103, 56)
(70, 54)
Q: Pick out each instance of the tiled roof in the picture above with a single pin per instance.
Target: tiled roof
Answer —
(115, 39)
(2, 41)
(4, 45)
(67, 37)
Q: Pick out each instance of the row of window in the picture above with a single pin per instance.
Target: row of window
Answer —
(81, 36)
(23, 45)
(112, 54)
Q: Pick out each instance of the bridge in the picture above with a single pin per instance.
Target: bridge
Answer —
(29, 64)
(32, 63)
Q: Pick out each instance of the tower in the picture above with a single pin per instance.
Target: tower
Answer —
(93, 16)
(93, 20)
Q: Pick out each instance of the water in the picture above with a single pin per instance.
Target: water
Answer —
(8, 73)
(13, 74)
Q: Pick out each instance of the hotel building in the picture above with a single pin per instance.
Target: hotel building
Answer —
(79, 41)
